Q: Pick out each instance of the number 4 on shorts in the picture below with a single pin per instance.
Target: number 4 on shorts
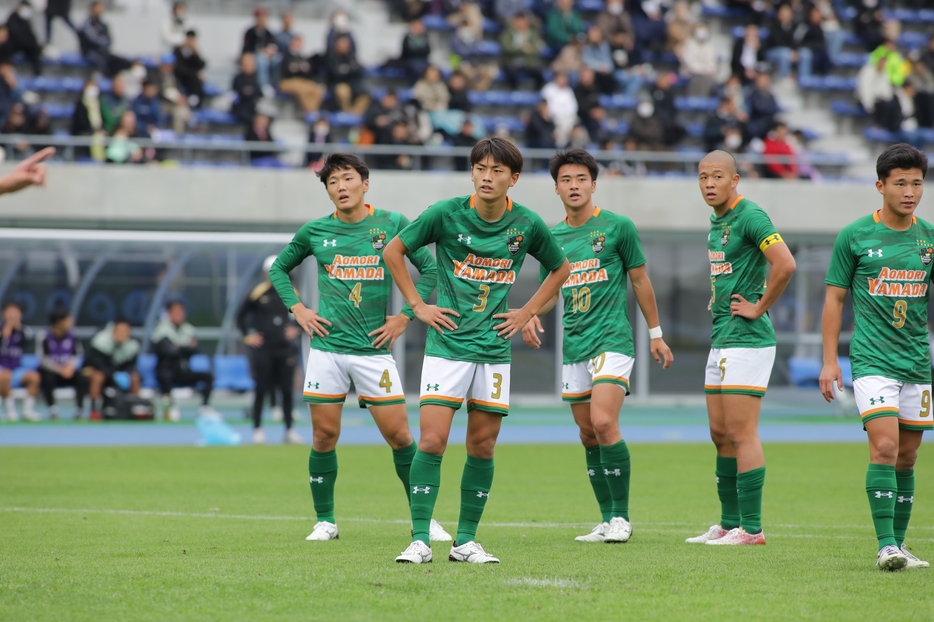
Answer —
(385, 382)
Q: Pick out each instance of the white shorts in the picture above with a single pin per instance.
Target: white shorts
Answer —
(577, 379)
(739, 371)
(328, 376)
(878, 396)
(485, 386)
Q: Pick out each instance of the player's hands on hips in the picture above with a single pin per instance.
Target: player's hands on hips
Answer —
(436, 317)
(661, 352)
(830, 373)
(312, 323)
(530, 333)
(29, 172)
(390, 331)
(254, 341)
(743, 308)
(515, 321)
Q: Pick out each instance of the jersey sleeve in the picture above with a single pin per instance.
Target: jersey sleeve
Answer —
(545, 247)
(629, 245)
(759, 230)
(426, 228)
(289, 259)
(424, 262)
(842, 262)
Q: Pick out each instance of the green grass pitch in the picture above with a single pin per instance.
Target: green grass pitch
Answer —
(218, 534)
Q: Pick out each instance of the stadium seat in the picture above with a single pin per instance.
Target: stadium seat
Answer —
(847, 109)
(146, 366)
(723, 12)
(804, 372)
(232, 372)
(217, 117)
(828, 83)
(200, 362)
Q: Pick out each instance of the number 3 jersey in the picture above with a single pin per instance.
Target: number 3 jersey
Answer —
(735, 247)
(888, 273)
(353, 282)
(601, 252)
(478, 262)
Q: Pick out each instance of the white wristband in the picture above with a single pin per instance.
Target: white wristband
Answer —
(655, 333)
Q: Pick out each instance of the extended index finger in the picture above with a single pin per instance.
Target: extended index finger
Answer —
(39, 156)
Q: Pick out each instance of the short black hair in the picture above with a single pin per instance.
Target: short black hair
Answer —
(10, 303)
(58, 313)
(573, 156)
(172, 302)
(341, 161)
(191, 33)
(501, 150)
(900, 155)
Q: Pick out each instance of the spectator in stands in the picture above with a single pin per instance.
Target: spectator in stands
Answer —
(174, 343)
(928, 56)
(431, 92)
(39, 124)
(345, 77)
(148, 107)
(812, 47)
(723, 128)
(834, 34)
(466, 137)
(258, 132)
(23, 38)
(663, 100)
(868, 24)
(61, 352)
(747, 53)
(570, 59)
(320, 134)
(86, 120)
(923, 79)
(591, 114)
(776, 144)
(399, 135)
(876, 94)
(459, 92)
(647, 131)
(415, 49)
(13, 338)
(617, 29)
(699, 62)
(259, 41)
(285, 36)
(649, 23)
(563, 24)
(506, 10)
(466, 44)
(111, 359)
(522, 48)
(123, 149)
(782, 45)
(114, 104)
(6, 48)
(172, 97)
(908, 129)
(175, 27)
(596, 55)
(133, 79)
(758, 8)
(9, 89)
(297, 77)
(762, 104)
(563, 106)
(896, 66)
(680, 25)
(95, 43)
(733, 88)
(62, 10)
(189, 69)
(382, 115)
(540, 130)
(339, 27)
(246, 88)
(16, 123)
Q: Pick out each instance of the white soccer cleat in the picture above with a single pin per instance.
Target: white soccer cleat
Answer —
(275, 414)
(714, 533)
(597, 534)
(436, 532)
(472, 553)
(292, 437)
(323, 531)
(891, 558)
(417, 553)
(913, 561)
(259, 437)
(738, 537)
(618, 531)
(31, 415)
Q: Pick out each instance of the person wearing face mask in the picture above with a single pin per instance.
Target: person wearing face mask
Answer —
(646, 132)
(88, 121)
(175, 26)
(340, 27)
(723, 127)
(320, 134)
(23, 37)
(699, 62)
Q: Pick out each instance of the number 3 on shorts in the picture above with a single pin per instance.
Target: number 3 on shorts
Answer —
(497, 386)
(385, 382)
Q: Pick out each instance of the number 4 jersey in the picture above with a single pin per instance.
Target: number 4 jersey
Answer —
(353, 282)
(888, 273)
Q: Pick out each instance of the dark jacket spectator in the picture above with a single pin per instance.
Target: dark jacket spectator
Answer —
(6, 48)
(86, 118)
(148, 106)
(344, 76)
(747, 53)
(189, 69)
(174, 343)
(460, 94)
(259, 132)
(868, 25)
(591, 113)
(23, 37)
(719, 124)
(95, 41)
(563, 24)
(258, 37)
(9, 90)
(114, 104)
(297, 77)
(522, 48)
(340, 27)
(540, 129)
(415, 49)
(616, 26)
(246, 87)
(60, 9)
(762, 107)
(382, 115)
(647, 131)
(782, 29)
(112, 349)
(464, 138)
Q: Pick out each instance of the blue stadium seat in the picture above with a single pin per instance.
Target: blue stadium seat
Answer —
(217, 117)
(828, 83)
(437, 22)
(843, 108)
(804, 372)
(513, 124)
(696, 104)
(724, 12)
(146, 366)
(618, 102)
(884, 136)
(232, 372)
(853, 60)
(200, 362)
(591, 6)
(504, 98)
(390, 73)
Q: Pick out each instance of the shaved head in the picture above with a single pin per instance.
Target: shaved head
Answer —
(719, 157)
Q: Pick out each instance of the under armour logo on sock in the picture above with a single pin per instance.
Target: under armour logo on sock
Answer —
(416, 490)
(615, 472)
(591, 472)
(316, 480)
(718, 479)
(880, 494)
(906, 499)
(481, 494)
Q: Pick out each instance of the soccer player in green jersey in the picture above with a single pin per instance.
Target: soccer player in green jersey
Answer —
(741, 242)
(602, 248)
(480, 241)
(885, 261)
(351, 334)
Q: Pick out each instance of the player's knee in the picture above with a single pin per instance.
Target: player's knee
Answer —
(482, 449)
(720, 439)
(325, 437)
(588, 438)
(432, 444)
(885, 450)
(399, 438)
(605, 428)
(906, 459)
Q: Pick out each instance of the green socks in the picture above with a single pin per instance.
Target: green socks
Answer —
(904, 499)
(726, 490)
(402, 458)
(616, 471)
(475, 490)
(881, 488)
(749, 494)
(322, 469)
(424, 480)
(598, 482)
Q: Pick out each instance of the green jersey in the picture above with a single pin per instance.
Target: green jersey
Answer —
(735, 247)
(601, 252)
(887, 273)
(353, 282)
(477, 264)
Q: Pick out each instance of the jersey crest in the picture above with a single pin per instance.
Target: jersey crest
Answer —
(514, 243)
(598, 243)
(725, 237)
(927, 254)
(378, 240)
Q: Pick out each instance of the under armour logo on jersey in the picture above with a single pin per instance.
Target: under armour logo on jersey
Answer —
(316, 480)
(873, 400)
(416, 490)
(481, 494)
(615, 472)
(906, 499)
(330, 243)
(875, 253)
(591, 472)
(313, 385)
(880, 494)
(432, 387)
(463, 238)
